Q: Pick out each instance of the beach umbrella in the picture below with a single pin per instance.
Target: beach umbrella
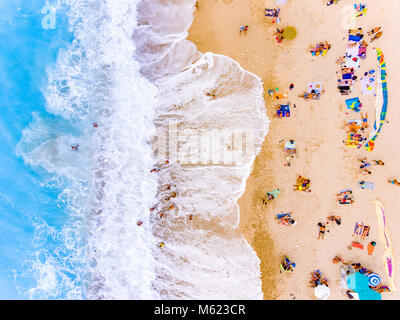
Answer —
(322, 292)
(289, 33)
(374, 280)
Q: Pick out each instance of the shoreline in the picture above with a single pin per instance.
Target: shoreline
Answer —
(257, 237)
(318, 129)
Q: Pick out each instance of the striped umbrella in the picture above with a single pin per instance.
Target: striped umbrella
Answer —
(374, 280)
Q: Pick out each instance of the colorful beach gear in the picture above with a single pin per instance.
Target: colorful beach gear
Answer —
(387, 243)
(354, 104)
(360, 283)
(381, 102)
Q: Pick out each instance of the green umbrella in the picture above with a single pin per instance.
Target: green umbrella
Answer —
(289, 33)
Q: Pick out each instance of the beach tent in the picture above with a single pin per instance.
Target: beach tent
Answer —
(360, 283)
(289, 33)
(322, 292)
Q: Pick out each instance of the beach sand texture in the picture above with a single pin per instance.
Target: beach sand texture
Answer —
(318, 129)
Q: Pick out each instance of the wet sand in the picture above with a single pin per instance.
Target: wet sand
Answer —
(318, 129)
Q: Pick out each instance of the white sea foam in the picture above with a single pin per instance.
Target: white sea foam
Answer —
(132, 72)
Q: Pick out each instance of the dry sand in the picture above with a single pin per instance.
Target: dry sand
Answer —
(318, 129)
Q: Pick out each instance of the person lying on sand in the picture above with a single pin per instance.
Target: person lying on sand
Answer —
(338, 220)
(374, 30)
(377, 36)
(379, 163)
(330, 2)
(395, 182)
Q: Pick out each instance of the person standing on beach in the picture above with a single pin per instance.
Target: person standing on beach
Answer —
(322, 230)
(371, 247)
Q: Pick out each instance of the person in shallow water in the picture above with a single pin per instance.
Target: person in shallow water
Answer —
(75, 147)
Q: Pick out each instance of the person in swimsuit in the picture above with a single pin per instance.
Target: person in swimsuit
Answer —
(377, 36)
(374, 30)
(322, 230)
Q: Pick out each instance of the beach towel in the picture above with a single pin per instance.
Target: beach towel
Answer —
(283, 215)
(370, 249)
(275, 193)
(354, 38)
(357, 122)
(368, 85)
(347, 76)
(314, 87)
(357, 245)
(354, 104)
(366, 185)
(280, 96)
(352, 59)
(358, 229)
(362, 52)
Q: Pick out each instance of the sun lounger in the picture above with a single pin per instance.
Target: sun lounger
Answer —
(366, 185)
(358, 229)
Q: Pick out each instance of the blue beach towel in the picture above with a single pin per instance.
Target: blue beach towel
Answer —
(354, 38)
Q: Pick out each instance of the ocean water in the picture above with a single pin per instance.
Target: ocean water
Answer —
(68, 222)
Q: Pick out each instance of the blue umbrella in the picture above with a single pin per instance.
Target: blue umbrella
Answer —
(374, 280)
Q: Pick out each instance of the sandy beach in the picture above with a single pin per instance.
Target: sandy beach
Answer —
(318, 128)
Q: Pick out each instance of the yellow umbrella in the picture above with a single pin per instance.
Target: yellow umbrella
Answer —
(289, 33)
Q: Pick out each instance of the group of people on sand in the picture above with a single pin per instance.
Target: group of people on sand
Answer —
(356, 131)
(321, 48)
(318, 280)
(322, 226)
(302, 184)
